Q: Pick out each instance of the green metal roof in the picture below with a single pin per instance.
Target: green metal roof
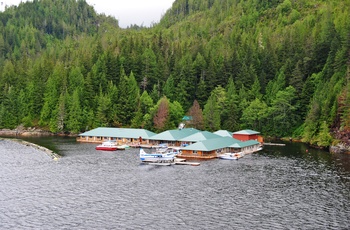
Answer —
(200, 136)
(246, 132)
(224, 133)
(243, 144)
(187, 118)
(119, 132)
(174, 135)
(212, 144)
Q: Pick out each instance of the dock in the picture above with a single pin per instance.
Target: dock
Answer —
(276, 144)
(187, 163)
(160, 164)
(181, 161)
(177, 161)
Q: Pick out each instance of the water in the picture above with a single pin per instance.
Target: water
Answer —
(277, 188)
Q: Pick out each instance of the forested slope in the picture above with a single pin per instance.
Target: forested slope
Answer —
(279, 67)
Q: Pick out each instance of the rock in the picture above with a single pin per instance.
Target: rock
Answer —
(340, 148)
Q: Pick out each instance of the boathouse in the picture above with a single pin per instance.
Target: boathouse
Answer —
(247, 134)
(210, 148)
(120, 135)
(199, 136)
(224, 133)
(172, 137)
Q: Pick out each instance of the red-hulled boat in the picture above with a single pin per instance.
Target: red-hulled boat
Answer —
(107, 146)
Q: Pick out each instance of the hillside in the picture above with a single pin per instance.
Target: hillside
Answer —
(280, 67)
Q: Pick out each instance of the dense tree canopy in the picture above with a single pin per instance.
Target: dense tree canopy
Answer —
(281, 67)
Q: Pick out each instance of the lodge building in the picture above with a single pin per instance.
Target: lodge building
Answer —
(193, 143)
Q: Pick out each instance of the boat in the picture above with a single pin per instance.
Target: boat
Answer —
(107, 146)
(173, 151)
(122, 147)
(157, 157)
(230, 156)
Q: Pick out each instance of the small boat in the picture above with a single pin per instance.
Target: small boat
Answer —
(157, 157)
(162, 148)
(230, 156)
(173, 151)
(107, 146)
(122, 147)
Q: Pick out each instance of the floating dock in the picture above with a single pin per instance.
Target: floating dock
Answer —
(181, 161)
(276, 144)
(187, 163)
(177, 161)
(160, 164)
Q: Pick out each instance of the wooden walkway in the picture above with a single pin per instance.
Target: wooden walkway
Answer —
(276, 144)
(177, 161)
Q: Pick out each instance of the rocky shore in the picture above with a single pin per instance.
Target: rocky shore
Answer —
(340, 148)
(24, 132)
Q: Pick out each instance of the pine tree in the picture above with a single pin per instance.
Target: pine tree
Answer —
(162, 115)
(230, 115)
(74, 123)
(211, 114)
(196, 113)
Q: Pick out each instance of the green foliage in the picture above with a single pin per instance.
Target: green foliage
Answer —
(176, 114)
(213, 108)
(66, 68)
(324, 138)
(282, 111)
(254, 115)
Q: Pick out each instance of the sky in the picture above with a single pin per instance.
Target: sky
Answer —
(139, 12)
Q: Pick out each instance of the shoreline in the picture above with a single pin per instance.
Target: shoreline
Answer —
(48, 152)
(33, 132)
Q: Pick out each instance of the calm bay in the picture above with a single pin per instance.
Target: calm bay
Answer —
(280, 187)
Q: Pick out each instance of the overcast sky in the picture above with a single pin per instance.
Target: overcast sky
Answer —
(139, 12)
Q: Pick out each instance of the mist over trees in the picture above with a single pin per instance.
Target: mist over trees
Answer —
(279, 67)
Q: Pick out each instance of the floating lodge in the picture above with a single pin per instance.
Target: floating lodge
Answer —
(192, 142)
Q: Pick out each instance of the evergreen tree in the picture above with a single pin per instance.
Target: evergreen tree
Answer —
(103, 110)
(133, 101)
(74, 123)
(254, 115)
(211, 114)
(176, 113)
(169, 88)
(196, 113)
(282, 111)
(230, 116)
(162, 115)
(202, 93)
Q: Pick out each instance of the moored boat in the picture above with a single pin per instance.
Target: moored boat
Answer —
(107, 146)
(230, 156)
(158, 157)
(122, 147)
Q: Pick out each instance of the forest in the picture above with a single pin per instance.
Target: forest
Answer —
(280, 67)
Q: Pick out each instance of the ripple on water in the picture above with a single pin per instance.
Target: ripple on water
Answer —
(89, 189)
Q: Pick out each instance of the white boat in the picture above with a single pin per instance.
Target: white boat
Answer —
(157, 157)
(173, 151)
(230, 156)
(169, 150)
(122, 147)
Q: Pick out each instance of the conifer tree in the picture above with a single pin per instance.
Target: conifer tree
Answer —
(162, 115)
(196, 113)
(230, 115)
